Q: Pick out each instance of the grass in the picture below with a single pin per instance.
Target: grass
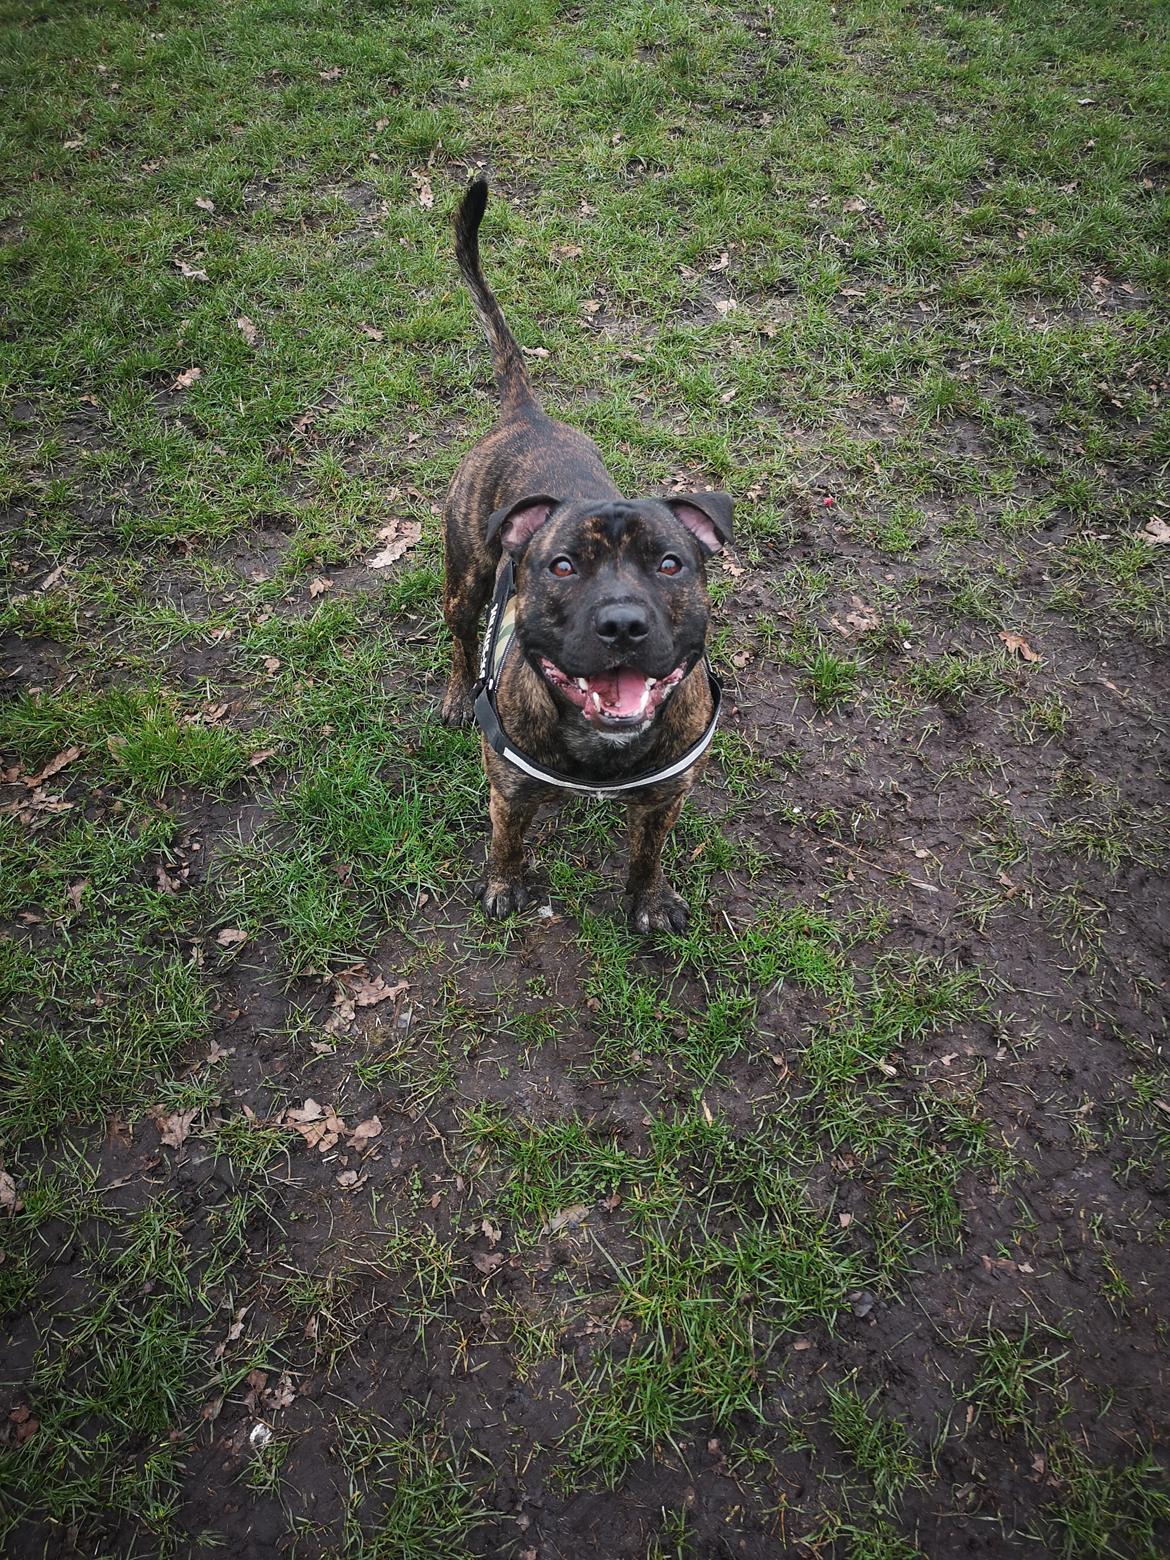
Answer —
(634, 1214)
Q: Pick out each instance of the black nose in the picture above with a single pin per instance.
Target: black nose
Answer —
(621, 622)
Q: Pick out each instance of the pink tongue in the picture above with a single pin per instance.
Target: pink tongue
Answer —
(620, 692)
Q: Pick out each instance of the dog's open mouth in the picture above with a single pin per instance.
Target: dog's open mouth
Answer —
(620, 697)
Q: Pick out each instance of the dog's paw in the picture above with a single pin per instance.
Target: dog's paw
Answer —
(498, 898)
(660, 911)
(455, 709)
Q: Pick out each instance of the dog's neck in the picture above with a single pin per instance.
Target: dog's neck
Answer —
(567, 744)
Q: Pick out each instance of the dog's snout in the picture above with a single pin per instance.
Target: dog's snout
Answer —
(621, 623)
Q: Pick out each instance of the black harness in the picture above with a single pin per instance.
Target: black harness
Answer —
(497, 641)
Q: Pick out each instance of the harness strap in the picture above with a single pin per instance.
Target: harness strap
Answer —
(488, 720)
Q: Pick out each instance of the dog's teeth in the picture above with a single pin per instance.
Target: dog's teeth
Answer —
(583, 685)
(596, 697)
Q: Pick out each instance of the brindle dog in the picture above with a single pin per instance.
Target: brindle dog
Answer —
(606, 677)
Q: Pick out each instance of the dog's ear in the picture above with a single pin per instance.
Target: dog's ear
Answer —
(707, 516)
(517, 523)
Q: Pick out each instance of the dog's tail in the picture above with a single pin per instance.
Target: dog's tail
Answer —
(507, 362)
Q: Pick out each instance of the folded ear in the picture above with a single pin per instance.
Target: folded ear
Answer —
(516, 523)
(706, 515)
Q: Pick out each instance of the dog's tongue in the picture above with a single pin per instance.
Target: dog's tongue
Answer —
(620, 691)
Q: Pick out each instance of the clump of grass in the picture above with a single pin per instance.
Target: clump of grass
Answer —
(879, 1445)
(831, 680)
(412, 1497)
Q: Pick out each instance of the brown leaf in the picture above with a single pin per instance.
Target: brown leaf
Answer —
(10, 1202)
(75, 891)
(204, 204)
(173, 1129)
(318, 587)
(334, 73)
(366, 992)
(1155, 531)
(248, 330)
(311, 1110)
(725, 306)
(566, 1219)
(193, 273)
(260, 757)
(26, 1424)
(187, 378)
(566, 251)
(231, 937)
(491, 1232)
(373, 333)
(426, 197)
(271, 665)
(488, 1261)
(54, 766)
(1018, 645)
(590, 306)
(365, 1130)
(399, 536)
(52, 577)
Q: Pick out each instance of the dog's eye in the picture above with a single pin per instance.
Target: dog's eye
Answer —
(670, 565)
(562, 568)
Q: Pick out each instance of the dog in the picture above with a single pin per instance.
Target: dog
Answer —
(601, 684)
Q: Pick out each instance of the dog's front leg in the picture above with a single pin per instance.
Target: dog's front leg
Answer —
(503, 891)
(654, 905)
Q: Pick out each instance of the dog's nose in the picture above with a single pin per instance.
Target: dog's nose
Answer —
(621, 622)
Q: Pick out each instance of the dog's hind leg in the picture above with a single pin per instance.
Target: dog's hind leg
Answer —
(467, 585)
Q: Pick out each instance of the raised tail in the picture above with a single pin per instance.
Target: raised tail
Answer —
(507, 361)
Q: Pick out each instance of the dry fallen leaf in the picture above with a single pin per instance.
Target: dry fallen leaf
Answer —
(373, 333)
(426, 198)
(399, 536)
(248, 330)
(204, 204)
(365, 1130)
(491, 1232)
(10, 1202)
(334, 73)
(53, 767)
(567, 1219)
(231, 937)
(187, 378)
(590, 306)
(193, 273)
(261, 757)
(271, 665)
(173, 1129)
(566, 251)
(319, 586)
(52, 577)
(1155, 531)
(488, 1261)
(1017, 645)
(311, 1110)
(724, 306)
(364, 991)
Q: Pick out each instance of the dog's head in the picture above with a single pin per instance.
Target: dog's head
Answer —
(611, 602)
